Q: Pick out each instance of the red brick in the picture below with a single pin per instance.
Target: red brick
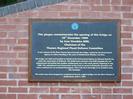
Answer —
(111, 84)
(39, 90)
(69, 14)
(130, 55)
(3, 62)
(121, 8)
(128, 28)
(8, 83)
(3, 20)
(122, 90)
(126, 35)
(7, 27)
(102, 90)
(90, 2)
(8, 41)
(23, 54)
(18, 76)
(127, 56)
(15, 62)
(80, 90)
(23, 69)
(70, 97)
(7, 96)
(26, 83)
(19, 48)
(22, 27)
(90, 84)
(115, 2)
(28, 14)
(48, 84)
(56, 7)
(47, 14)
(33, 14)
(126, 76)
(3, 75)
(85, 8)
(110, 15)
(127, 70)
(127, 2)
(59, 90)
(91, 97)
(23, 41)
(128, 97)
(91, 15)
(126, 49)
(76, 7)
(127, 83)
(69, 84)
(128, 42)
(3, 34)
(17, 90)
(18, 61)
(112, 97)
(49, 97)
(26, 96)
(100, 8)
(105, 1)
(128, 15)
(19, 34)
(3, 89)
(8, 69)
(126, 22)
(126, 62)
(18, 20)
(3, 48)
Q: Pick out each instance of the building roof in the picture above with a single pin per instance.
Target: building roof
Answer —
(26, 5)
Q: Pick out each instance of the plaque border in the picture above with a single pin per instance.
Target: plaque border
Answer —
(30, 79)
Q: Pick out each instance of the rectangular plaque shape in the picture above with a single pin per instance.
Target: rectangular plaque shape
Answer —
(74, 50)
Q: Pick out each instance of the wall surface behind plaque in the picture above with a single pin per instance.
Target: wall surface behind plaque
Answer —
(14, 52)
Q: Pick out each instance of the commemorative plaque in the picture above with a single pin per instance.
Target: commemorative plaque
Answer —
(72, 50)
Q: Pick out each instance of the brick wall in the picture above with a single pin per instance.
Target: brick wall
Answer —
(14, 50)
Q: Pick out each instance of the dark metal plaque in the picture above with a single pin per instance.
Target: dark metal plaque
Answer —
(74, 50)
